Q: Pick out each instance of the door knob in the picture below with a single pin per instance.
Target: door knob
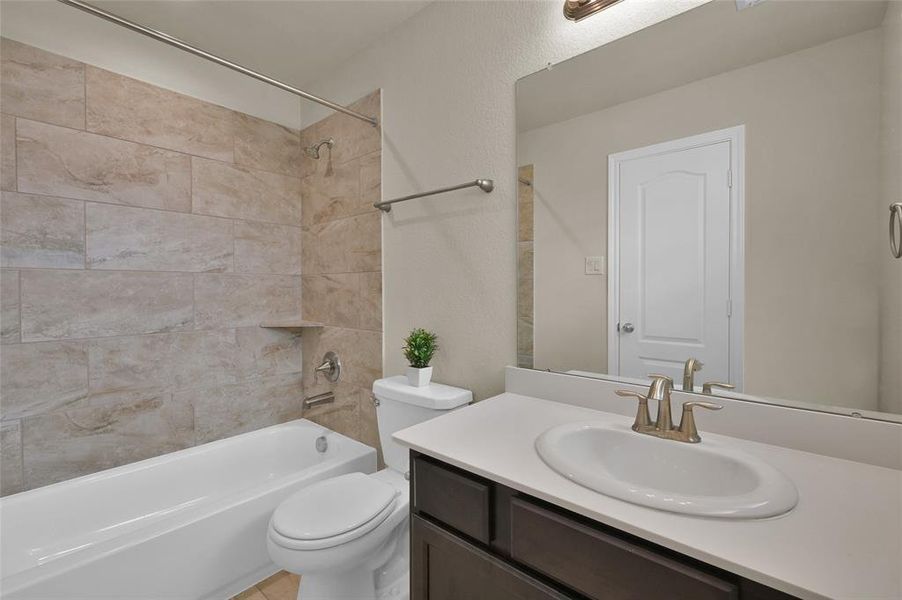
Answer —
(627, 328)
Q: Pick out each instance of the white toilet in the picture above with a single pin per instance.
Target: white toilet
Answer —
(348, 536)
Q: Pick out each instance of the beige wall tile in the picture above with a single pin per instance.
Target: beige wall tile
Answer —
(360, 352)
(9, 307)
(74, 304)
(56, 161)
(332, 299)
(150, 240)
(525, 218)
(39, 85)
(12, 479)
(266, 352)
(265, 145)
(7, 152)
(130, 109)
(371, 178)
(333, 196)
(525, 268)
(267, 248)
(353, 138)
(364, 245)
(370, 301)
(41, 232)
(343, 416)
(243, 300)
(226, 191)
(345, 245)
(36, 378)
(228, 410)
(61, 445)
(177, 360)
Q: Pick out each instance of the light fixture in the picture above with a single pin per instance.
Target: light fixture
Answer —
(577, 10)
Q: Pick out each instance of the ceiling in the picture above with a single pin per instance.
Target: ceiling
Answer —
(297, 41)
(700, 43)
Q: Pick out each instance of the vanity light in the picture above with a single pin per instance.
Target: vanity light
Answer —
(577, 10)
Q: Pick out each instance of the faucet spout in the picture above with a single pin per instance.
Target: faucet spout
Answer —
(692, 365)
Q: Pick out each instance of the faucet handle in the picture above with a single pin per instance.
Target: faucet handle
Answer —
(643, 418)
(706, 388)
(688, 430)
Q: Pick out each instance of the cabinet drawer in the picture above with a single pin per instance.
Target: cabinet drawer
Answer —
(604, 566)
(455, 499)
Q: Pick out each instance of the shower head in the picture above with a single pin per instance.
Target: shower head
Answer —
(313, 151)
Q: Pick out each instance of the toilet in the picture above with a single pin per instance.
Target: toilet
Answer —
(348, 536)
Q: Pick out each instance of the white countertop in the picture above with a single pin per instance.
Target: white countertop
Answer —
(842, 540)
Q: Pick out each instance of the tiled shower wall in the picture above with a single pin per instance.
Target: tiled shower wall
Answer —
(145, 235)
(342, 267)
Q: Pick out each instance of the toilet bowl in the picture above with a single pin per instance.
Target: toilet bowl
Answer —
(348, 536)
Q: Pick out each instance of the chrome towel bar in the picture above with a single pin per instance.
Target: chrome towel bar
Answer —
(486, 185)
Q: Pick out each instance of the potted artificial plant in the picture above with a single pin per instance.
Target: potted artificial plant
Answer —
(419, 347)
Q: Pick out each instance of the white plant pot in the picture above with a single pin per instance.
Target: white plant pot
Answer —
(419, 377)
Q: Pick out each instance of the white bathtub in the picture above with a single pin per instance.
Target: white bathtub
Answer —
(191, 524)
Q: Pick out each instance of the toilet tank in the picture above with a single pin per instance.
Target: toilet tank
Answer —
(400, 405)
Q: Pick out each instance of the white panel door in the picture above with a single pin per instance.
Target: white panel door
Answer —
(674, 261)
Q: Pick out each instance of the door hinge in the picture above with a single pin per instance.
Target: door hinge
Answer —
(729, 178)
(729, 308)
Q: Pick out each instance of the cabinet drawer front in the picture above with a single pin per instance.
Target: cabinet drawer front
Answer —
(603, 566)
(444, 567)
(452, 498)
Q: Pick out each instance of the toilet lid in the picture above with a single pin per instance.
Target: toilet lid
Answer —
(332, 507)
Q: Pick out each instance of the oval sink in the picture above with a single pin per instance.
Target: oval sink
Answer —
(707, 479)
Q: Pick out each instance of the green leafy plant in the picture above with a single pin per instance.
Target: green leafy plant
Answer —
(419, 347)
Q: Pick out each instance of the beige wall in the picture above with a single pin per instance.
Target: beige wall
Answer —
(812, 160)
(447, 77)
(342, 282)
(145, 235)
(890, 268)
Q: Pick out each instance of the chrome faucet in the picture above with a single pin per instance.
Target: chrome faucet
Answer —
(659, 390)
(692, 365)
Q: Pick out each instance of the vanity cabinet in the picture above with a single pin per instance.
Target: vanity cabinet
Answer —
(474, 539)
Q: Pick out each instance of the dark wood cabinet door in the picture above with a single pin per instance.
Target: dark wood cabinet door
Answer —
(444, 567)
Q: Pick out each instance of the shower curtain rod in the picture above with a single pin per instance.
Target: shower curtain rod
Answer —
(177, 43)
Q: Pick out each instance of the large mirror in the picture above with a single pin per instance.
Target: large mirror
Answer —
(717, 187)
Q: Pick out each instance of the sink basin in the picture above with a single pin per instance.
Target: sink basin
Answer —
(708, 479)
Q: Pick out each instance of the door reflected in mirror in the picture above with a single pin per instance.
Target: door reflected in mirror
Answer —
(715, 188)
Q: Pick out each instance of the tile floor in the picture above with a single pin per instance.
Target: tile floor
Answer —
(281, 586)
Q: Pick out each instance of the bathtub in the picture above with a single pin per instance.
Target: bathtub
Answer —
(191, 524)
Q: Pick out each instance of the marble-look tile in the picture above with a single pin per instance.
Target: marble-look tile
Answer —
(41, 86)
(80, 304)
(36, 378)
(281, 586)
(243, 300)
(65, 444)
(226, 191)
(7, 152)
(56, 161)
(360, 352)
(333, 196)
(332, 299)
(41, 232)
(370, 301)
(351, 244)
(525, 296)
(267, 248)
(133, 110)
(175, 360)
(525, 219)
(228, 410)
(343, 416)
(12, 479)
(353, 138)
(138, 239)
(265, 145)
(266, 352)
(9, 307)
(524, 342)
(371, 178)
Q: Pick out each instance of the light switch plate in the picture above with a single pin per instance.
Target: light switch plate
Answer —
(595, 265)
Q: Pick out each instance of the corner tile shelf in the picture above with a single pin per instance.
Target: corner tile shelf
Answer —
(299, 324)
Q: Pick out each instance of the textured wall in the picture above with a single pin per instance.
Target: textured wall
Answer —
(447, 77)
(342, 265)
(145, 234)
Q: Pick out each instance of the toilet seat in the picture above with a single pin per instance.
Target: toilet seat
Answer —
(332, 512)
